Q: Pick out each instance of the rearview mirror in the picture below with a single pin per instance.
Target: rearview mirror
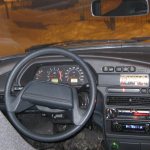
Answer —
(114, 8)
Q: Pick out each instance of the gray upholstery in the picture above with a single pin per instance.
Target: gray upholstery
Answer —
(10, 138)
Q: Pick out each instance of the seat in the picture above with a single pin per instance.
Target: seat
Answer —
(10, 139)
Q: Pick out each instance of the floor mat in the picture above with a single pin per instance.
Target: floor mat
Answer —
(89, 138)
(86, 140)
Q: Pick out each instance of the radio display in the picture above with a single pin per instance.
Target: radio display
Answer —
(134, 127)
(134, 80)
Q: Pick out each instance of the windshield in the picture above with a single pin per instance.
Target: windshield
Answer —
(27, 23)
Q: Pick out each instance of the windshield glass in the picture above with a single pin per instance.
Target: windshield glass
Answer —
(27, 23)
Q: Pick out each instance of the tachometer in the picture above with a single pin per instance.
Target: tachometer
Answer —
(54, 75)
(74, 75)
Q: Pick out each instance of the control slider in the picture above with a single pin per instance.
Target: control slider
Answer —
(122, 90)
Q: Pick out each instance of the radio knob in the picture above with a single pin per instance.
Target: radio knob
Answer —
(118, 127)
(111, 113)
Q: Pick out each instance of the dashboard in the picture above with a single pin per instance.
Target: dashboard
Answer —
(123, 88)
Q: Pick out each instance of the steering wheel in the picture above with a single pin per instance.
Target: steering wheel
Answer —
(42, 93)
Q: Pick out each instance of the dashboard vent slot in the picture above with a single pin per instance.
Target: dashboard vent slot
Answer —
(128, 100)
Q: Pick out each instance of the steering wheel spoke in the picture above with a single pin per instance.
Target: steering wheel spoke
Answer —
(78, 113)
(17, 104)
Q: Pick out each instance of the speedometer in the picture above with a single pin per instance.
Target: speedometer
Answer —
(74, 75)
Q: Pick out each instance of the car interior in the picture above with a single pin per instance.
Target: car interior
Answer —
(74, 75)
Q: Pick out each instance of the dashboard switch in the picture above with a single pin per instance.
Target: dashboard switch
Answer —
(111, 69)
(118, 69)
(105, 69)
(115, 146)
(122, 90)
(125, 69)
(132, 69)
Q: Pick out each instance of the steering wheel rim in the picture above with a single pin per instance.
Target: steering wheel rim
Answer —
(9, 98)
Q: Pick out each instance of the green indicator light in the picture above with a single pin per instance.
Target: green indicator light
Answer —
(115, 146)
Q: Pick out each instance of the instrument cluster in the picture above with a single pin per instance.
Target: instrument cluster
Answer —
(66, 74)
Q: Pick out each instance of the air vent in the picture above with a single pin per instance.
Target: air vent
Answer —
(128, 101)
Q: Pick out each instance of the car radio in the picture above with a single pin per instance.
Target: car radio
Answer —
(127, 105)
(127, 114)
(129, 120)
(126, 108)
(130, 127)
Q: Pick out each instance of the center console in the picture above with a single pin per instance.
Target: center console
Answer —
(126, 110)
